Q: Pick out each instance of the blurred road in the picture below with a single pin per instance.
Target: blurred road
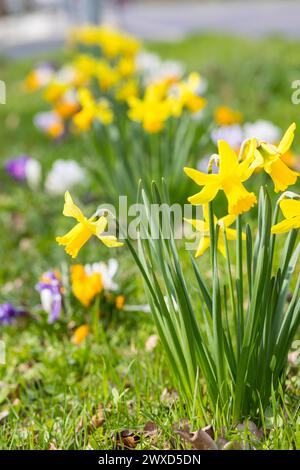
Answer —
(36, 32)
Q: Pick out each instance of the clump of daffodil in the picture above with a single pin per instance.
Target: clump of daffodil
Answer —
(202, 226)
(127, 90)
(106, 75)
(291, 211)
(152, 111)
(85, 286)
(91, 110)
(225, 116)
(84, 229)
(184, 94)
(230, 178)
(270, 158)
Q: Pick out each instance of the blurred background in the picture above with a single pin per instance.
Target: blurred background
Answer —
(29, 26)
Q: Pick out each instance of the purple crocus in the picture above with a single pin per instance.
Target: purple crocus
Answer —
(50, 290)
(8, 314)
(16, 167)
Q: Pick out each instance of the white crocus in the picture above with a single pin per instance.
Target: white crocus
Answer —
(63, 176)
(33, 173)
(262, 130)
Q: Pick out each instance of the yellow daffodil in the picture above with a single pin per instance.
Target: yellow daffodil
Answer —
(270, 158)
(152, 111)
(80, 334)
(232, 174)
(202, 226)
(126, 66)
(225, 116)
(83, 230)
(91, 110)
(55, 91)
(85, 286)
(184, 95)
(291, 211)
(127, 90)
(107, 76)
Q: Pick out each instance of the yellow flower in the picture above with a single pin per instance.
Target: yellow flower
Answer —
(127, 90)
(269, 157)
(80, 334)
(55, 91)
(91, 110)
(202, 226)
(225, 116)
(184, 95)
(120, 301)
(83, 230)
(152, 111)
(85, 286)
(126, 66)
(107, 76)
(291, 211)
(232, 174)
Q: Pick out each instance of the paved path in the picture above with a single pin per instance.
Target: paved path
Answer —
(41, 31)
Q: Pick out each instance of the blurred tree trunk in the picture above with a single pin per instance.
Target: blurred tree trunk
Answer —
(3, 9)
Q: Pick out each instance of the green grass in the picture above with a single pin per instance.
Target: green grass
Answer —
(48, 385)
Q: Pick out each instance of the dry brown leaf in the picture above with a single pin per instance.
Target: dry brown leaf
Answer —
(126, 439)
(199, 440)
(98, 418)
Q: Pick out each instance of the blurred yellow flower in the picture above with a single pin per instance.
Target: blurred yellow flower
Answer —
(80, 334)
(120, 301)
(269, 157)
(84, 229)
(126, 66)
(225, 116)
(231, 175)
(127, 90)
(55, 91)
(107, 76)
(291, 211)
(91, 110)
(185, 95)
(152, 111)
(202, 226)
(85, 286)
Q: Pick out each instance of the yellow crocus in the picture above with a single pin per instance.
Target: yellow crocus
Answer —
(91, 110)
(291, 211)
(80, 334)
(202, 226)
(83, 230)
(225, 116)
(85, 286)
(270, 158)
(230, 178)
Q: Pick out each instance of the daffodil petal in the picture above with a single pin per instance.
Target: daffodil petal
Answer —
(203, 246)
(290, 208)
(71, 210)
(206, 195)
(110, 241)
(228, 158)
(200, 178)
(286, 225)
(287, 139)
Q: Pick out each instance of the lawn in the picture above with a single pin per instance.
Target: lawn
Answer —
(55, 394)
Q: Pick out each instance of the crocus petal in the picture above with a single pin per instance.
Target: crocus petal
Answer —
(206, 195)
(287, 139)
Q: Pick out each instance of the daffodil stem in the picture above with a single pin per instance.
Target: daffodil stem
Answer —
(230, 280)
(239, 270)
(212, 235)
